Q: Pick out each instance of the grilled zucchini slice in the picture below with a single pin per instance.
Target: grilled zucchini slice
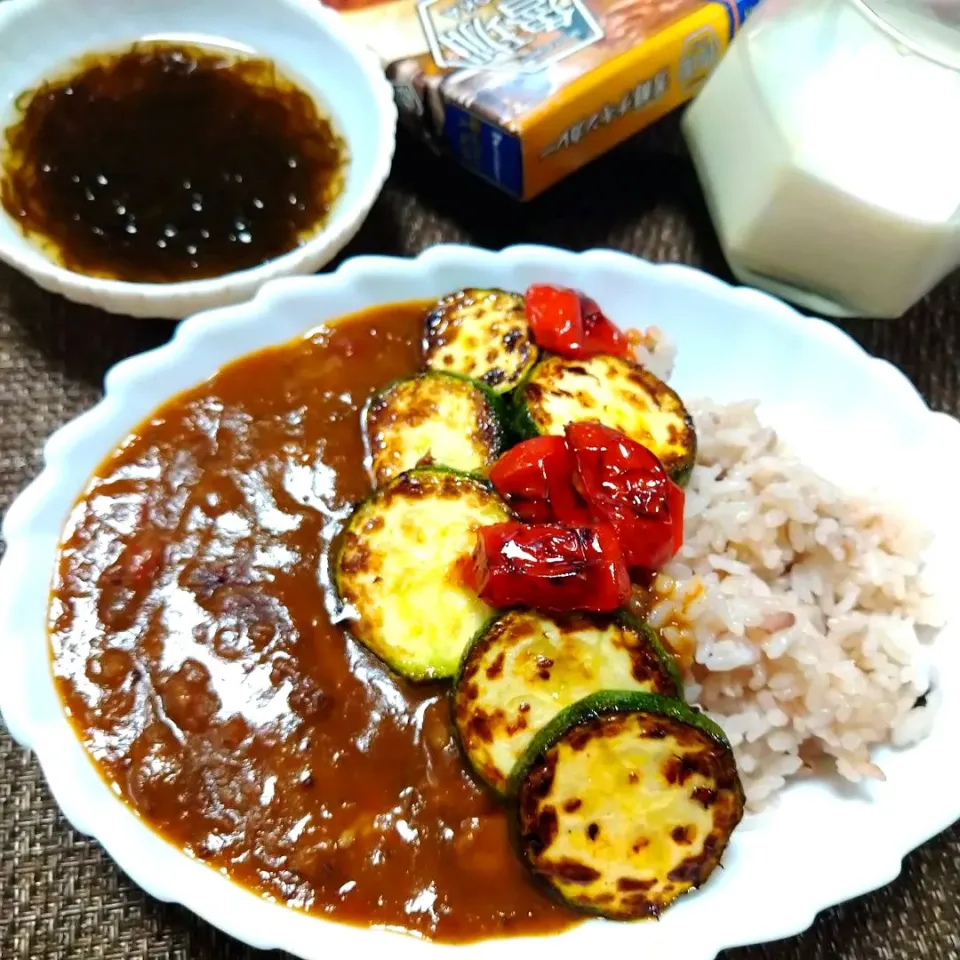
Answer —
(619, 394)
(525, 667)
(396, 570)
(481, 334)
(624, 802)
(436, 418)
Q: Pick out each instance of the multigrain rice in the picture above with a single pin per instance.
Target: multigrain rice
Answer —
(798, 610)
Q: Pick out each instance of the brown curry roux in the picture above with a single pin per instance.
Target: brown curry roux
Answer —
(195, 654)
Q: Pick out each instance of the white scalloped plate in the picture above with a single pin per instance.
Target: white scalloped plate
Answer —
(855, 416)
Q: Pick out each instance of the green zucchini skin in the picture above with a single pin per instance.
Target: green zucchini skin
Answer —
(482, 334)
(435, 418)
(615, 392)
(624, 802)
(667, 660)
(524, 667)
(396, 569)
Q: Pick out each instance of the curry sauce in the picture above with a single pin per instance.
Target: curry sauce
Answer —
(195, 648)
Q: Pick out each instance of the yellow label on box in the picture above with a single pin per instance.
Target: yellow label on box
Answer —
(621, 97)
(524, 92)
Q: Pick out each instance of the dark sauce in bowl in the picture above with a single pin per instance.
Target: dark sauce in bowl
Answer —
(170, 162)
(194, 649)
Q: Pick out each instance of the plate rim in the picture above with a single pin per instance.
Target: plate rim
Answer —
(119, 836)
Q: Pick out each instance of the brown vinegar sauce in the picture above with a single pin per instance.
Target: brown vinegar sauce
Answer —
(195, 653)
(170, 162)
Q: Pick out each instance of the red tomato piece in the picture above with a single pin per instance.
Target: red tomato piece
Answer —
(536, 479)
(567, 323)
(550, 567)
(555, 318)
(600, 333)
(676, 501)
(626, 486)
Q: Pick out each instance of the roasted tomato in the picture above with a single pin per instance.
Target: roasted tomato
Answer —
(536, 480)
(555, 318)
(550, 567)
(600, 333)
(625, 485)
(569, 324)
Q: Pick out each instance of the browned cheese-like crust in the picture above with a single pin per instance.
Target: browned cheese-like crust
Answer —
(595, 823)
(528, 667)
(481, 334)
(398, 571)
(621, 395)
(428, 420)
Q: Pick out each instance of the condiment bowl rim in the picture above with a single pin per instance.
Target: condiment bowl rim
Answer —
(179, 299)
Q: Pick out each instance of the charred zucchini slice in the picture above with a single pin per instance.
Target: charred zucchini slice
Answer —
(436, 418)
(481, 334)
(619, 394)
(525, 667)
(626, 801)
(396, 570)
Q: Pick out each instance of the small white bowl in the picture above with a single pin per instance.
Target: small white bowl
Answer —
(308, 42)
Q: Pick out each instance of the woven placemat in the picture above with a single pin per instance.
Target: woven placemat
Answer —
(60, 897)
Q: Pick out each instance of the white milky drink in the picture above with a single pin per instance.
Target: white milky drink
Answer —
(828, 147)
